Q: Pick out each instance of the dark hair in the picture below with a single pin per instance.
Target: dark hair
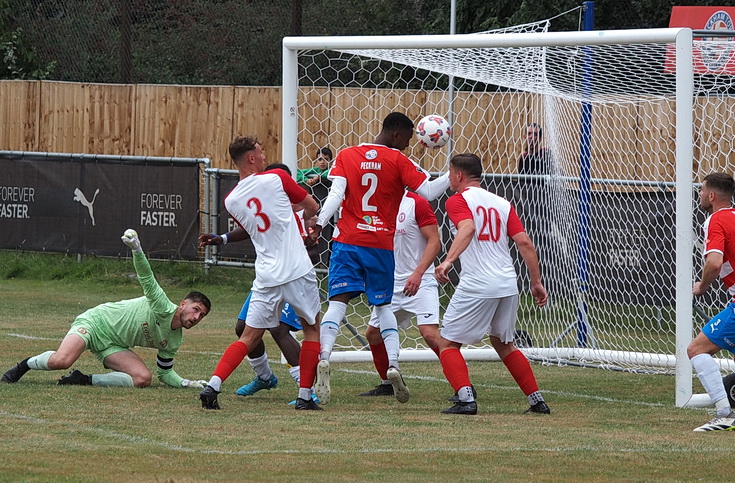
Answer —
(540, 129)
(722, 183)
(242, 145)
(326, 152)
(397, 121)
(470, 164)
(278, 166)
(200, 298)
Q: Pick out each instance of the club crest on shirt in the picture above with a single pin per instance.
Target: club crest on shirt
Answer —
(82, 330)
(372, 154)
(401, 217)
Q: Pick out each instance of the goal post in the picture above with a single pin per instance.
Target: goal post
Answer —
(647, 109)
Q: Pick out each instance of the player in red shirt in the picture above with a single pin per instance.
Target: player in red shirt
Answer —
(261, 204)
(368, 180)
(486, 298)
(715, 197)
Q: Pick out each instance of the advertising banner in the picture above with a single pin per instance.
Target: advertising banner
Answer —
(76, 206)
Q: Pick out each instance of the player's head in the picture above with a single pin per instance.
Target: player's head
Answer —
(323, 157)
(278, 166)
(464, 169)
(246, 151)
(397, 131)
(717, 188)
(193, 309)
(533, 136)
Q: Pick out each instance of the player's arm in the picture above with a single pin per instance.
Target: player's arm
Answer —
(309, 205)
(167, 375)
(330, 207)
(433, 244)
(465, 233)
(712, 264)
(432, 189)
(530, 258)
(238, 234)
(154, 294)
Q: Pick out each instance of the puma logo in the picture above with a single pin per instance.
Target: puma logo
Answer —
(79, 196)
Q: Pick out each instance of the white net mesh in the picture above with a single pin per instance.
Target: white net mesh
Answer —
(607, 254)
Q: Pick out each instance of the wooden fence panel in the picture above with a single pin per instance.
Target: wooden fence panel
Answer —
(19, 113)
(257, 112)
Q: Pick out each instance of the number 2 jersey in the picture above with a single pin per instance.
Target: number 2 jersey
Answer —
(487, 267)
(376, 180)
(261, 205)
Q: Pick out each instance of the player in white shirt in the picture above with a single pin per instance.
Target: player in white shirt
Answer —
(416, 244)
(486, 298)
(261, 204)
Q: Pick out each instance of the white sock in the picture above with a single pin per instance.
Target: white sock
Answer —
(261, 367)
(389, 332)
(305, 393)
(535, 398)
(709, 375)
(295, 372)
(115, 379)
(215, 383)
(330, 327)
(465, 394)
(40, 362)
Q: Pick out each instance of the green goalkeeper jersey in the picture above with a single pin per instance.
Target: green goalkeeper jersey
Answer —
(142, 322)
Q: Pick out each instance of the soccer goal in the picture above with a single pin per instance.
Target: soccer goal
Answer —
(631, 121)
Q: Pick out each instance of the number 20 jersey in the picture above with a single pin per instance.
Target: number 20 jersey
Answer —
(376, 178)
(261, 205)
(487, 267)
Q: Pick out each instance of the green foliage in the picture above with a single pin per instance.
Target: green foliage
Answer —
(238, 42)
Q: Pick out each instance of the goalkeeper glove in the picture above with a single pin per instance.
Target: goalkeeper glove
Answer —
(197, 384)
(130, 238)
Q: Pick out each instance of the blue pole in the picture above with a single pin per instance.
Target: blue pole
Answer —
(585, 182)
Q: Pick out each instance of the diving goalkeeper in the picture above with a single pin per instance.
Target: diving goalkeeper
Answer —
(111, 329)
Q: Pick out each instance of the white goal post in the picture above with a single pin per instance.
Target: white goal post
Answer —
(631, 125)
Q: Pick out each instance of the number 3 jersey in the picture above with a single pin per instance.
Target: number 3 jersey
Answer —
(487, 267)
(376, 179)
(261, 205)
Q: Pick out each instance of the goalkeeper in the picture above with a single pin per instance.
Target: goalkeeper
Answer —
(111, 329)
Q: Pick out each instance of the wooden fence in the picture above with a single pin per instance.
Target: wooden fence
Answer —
(629, 140)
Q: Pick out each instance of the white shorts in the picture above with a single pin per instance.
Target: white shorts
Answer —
(266, 303)
(424, 305)
(468, 320)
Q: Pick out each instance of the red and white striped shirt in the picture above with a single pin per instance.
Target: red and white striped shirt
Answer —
(261, 205)
(487, 267)
(719, 236)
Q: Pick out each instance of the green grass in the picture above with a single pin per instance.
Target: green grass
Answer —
(604, 425)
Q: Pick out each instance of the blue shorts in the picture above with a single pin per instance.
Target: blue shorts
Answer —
(721, 329)
(288, 316)
(354, 270)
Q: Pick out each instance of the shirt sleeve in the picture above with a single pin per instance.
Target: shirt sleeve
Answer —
(515, 226)
(457, 209)
(412, 174)
(714, 236)
(295, 192)
(425, 215)
(165, 368)
(154, 294)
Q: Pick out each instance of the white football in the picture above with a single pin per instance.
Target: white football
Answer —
(433, 131)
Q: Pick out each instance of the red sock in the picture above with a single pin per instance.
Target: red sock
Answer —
(380, 359)
(455, 368)
(233, 356)
(308, 359)
(521, 371)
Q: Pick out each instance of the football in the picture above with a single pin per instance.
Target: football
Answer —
(433, 131)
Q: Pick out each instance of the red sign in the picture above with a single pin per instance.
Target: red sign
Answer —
(711, 55)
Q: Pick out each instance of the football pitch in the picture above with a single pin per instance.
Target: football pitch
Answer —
(604, 425)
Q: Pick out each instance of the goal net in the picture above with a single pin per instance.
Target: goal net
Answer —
(630, 122)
